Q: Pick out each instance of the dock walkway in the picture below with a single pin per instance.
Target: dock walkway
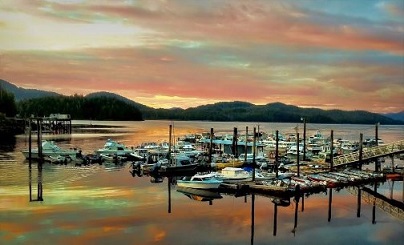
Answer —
(369, 154)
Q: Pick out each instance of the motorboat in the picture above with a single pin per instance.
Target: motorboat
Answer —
(112, 147)
(233, 175)
(179, 163)
(50, 149)
(200, 181)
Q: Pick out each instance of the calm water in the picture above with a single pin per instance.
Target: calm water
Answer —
(106, 205)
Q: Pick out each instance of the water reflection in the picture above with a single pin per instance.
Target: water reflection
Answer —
(83, 203)
(38, 182)
(7, 143)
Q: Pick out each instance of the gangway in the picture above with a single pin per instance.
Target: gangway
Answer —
(369, 154)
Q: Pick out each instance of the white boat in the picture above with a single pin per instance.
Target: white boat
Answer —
(200, 181)
(233, 175)
(50, 149)
(112, 147)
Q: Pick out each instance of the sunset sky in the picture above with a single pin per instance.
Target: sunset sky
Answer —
(326, 54)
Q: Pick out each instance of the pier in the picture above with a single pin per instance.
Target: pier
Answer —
(55, 123)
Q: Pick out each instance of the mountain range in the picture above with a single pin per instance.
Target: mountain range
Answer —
(232, 111)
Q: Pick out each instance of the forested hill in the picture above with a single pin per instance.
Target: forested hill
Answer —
(274, 112)
(79, 107)
(248, 112)
(110, 106)
(23, 93)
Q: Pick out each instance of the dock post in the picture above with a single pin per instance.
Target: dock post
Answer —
(210, 146)
(304, 139)
(276, 153)
(170, 129)
(298, 155)
(332, 151)
(246, 145)
(29, 142)
(234, 142)
(253, 163)
(377, 167)
(360, 150)
(38, 139)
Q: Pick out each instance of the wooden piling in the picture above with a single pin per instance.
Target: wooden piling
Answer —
(246, 145)
(298, 156)
(377, 167)
(170, 129)
(210, 145)
(332, 151)
(360, 150)
(234, 142)
(253, 162)
(276, 153)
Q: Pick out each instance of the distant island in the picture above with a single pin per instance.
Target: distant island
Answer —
(110, 106)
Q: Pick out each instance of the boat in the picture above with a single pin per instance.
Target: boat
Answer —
(50, 149)
(180, 163)
(233, 175)
(200, 181)
(112, 147)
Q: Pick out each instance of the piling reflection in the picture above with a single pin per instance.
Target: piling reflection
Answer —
(252, 217)
(329, 203)
(39, 180)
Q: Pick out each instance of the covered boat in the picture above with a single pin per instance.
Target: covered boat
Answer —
(200, 181)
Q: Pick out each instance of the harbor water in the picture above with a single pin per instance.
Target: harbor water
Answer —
(106, 204)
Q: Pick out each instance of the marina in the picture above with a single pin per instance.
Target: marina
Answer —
(262, 202)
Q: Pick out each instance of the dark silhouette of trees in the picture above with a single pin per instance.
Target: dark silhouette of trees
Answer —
(7, 103)
(79, 107)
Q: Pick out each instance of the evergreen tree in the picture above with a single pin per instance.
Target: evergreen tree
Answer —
(7, 103)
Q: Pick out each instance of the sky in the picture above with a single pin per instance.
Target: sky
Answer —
(328, 54)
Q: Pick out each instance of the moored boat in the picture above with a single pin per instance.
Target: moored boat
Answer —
(234, 175)
(200, 181)
(112, 147)
(50, 149)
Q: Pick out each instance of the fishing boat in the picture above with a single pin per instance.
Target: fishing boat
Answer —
(200, 181)
(112, 147)
(50, 149)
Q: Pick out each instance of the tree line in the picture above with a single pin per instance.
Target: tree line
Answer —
(78, 106)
